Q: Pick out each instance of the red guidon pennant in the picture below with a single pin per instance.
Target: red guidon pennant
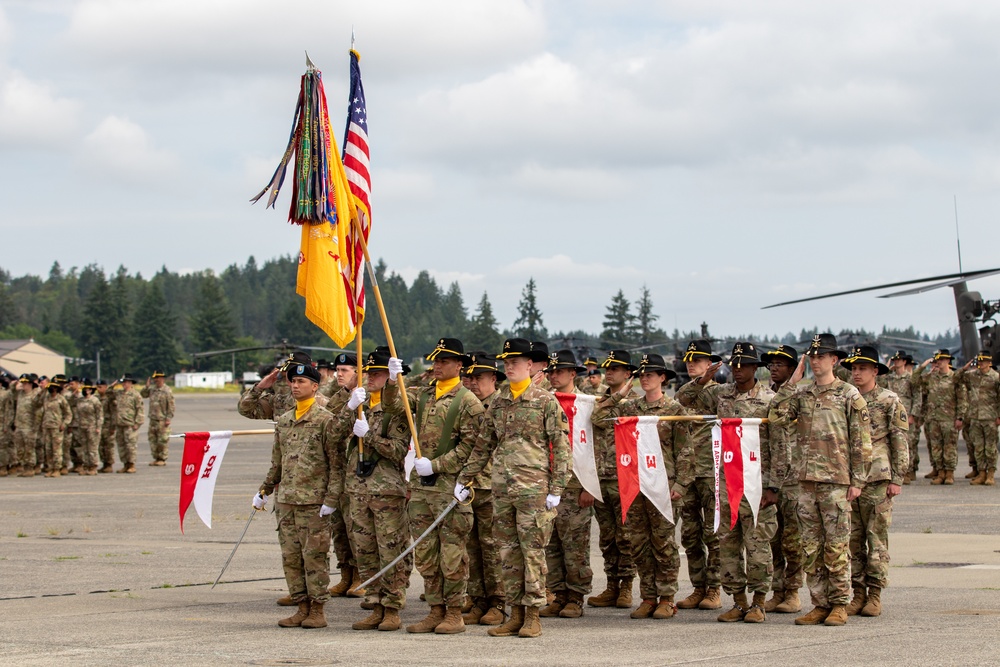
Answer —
(200, 466)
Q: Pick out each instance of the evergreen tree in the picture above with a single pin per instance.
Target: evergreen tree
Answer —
(7, 314)
(646, 320)
(529, 319)
(102, 328)
(120, 350)
(212, 325)
(155, 346)
(484, 330)
(454, 318)
(294, 326)
(619, 322)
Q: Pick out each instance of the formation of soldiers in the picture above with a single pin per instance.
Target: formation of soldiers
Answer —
(498, 525)
(57, 426)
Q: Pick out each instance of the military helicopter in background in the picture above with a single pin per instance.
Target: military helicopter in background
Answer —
(281, 351)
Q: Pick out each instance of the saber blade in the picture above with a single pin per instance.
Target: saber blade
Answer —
(236, 546)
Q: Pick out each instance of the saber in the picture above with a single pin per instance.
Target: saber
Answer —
(237, 546)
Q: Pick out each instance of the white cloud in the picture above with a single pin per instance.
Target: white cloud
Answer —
(569, 183)
(32, 114)
(121, 148)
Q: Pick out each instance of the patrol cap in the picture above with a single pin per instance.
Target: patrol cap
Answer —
(539, 351)
(825, 343)
(785, 353)
(564, 359)
(700, 347)
(302, 370)
(515, 347)
(744, 352)
(483, 362)
(655, 363)
(867, 353)
(618, 358)
(449, 348)
(378, 359)
(344, 359)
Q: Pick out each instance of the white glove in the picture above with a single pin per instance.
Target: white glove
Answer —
(326, 510)
(551, 502)
(361, 427)
(358, 397)
(461, 492)
(423, 466)
(258, 501)
(395, 367)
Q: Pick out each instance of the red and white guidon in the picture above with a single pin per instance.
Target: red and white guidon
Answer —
(736, 445)
(640, 464)
(578, 409)
(200, 466)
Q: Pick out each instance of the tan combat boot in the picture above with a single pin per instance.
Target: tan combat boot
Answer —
(932, 474)
(990, 477)
(107, 467)
(739, 610)
(552, 609)
(468, 605)
(452, 623)
(512, 626)
(494, 615)
(949, 477)
(373, 620)
(713, 599)
(979, 479)
(645, 609)
(532, 626)
(390, 620)
(972, 474)
(3, 471)
(907, 479)
(874, 605)
(692, 601)
(837, 615)
(339, 589)
(574, 605)
(756, 613)
(624, 600)
(295, 620)
(286, 601)
(433, 619)
(858, 601)
(791, 604)
(130, 468)
(354, 591)
(475, 612)
(815, 617)
(608, 598)
(665, 608)
(939, 479)
(777, 597)
(316, 617)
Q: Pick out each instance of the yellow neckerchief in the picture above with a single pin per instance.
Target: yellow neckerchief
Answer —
(518, 388)
(302, 407)
(444, 386)
(374, 398)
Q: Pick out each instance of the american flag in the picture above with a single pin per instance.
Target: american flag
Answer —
(356, 164)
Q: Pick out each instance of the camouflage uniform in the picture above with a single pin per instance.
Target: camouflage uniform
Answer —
(109, 428)
(484, 559)
(441, 557)
(270, 403)
(339, 521)
(301, 459)
(90, 417)
(27, 416)
(701, 544)
(161, 410)
(8, 455)
(526, 437)
(128, 420)
(72, 440)
(944, 401)
(786, 545)
(834, 450)
(909, 395)
(871, 512)
(380, 530)
(981, 415)
(56, 418)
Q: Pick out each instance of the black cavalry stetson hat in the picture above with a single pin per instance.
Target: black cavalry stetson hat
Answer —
(564, 359)
(302, 370)
(785, 353)
(126, 377)
(866, 353)
(901, 355)
(618, 358)
(449, 348)
(323, 363)
(700, 348)
(483, 362)
(654, 363)
(378, 359)
(591, 361)
(744, 352)
(296, 357)
(825, 343)
(943, 354)
(515, 347)
(539, 351)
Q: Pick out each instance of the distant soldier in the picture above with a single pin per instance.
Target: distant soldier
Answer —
(871, 512)
(945, 403)
(328, 379)
(834, 444)
(901, 383)
(982, 416)
(301, 460)
(128, 419)
(72, 441)
(109, 426)
(8, 455)
(27, 413)
(539, 356)
(271, 397)
(161, 411)
(56, 417)
(90, 417)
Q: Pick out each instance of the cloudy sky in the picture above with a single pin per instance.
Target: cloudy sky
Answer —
(727, 154)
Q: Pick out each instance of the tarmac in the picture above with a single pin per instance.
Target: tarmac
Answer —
(95, 571)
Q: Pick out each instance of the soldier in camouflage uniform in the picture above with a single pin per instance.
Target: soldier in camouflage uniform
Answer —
(448, 418)
(128, 419)
(27, 415)
(72, 440)
(525, 433)
(109, 411)
(90, 417)
(701, 544)
(567, 555)
(900, 382)
(982, 416)
(302, 461)
(652, 536)
(871, 512)
(8, 455)
(485, 591)
(370, 475)
(786, 546)
(944, 405)
(272, 396)
(745, 398)
(328, 378)
(56, 418)
(161, 411)
(834, 444)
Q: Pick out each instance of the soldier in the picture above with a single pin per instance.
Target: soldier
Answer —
(301, 459)
(701, 544)
(871, 512)
(344, 372)
(370, 475)
(900, 382)
(583, 383)
(8, 455)
(746, 398)
(448, 420)
(485, 590)
(328, 378)
(834, 444)
(654, 547)
(72, 440)
(56, 418)
(161, 411)
(539, 356)
(27, 413)
(109, 429)
(272, 397)
(525, 433)
(786, 546)
(128, 419)
(944, 405)
(982, 415)
(567, 554)
(616, 548)
(90, 416)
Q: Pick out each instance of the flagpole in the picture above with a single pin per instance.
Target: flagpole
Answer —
(361, 409)
(388, 335)
(255, 431)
